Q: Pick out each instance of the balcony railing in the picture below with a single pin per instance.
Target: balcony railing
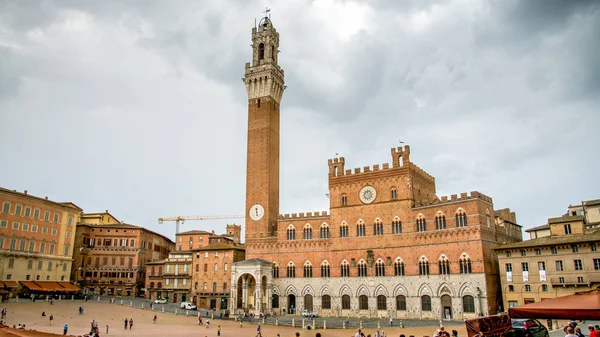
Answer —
(585, 281)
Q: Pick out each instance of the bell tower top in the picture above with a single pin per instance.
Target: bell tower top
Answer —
(264, 76)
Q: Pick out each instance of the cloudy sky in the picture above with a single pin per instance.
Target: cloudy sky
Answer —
(137, 106)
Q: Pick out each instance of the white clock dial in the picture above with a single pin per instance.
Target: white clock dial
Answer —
(256, 212)
(367, 194)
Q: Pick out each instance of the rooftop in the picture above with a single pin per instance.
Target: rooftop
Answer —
(25, 194)
(565, 218)
(546, 226)
(554, 240)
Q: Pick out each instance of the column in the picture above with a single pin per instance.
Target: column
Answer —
(244, 293)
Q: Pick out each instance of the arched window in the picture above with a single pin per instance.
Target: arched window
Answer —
(425, 303)
(344, 230)
(465, 264)
(291, 232)
(345, 301)
(394, 193)
(379, 268)
(468, 303)
(344, 200)
(461, 218)
(345, 269)
(444, 265)
(324, 231)
(381, 302)
(159, 285)
(440, 222)
(423, 267)
(275, 270)
(326, 302)
(261, 51)
(360, 229)
(363, 302)
(378, 227)
(291, 270)
(160, 271)
(421, 224)
(362, 269)
(275, 301)
(398, 267)
(400, 302)
(307, 269)
(307, 232)
(325, 269)
(396, 226)
(151, 285)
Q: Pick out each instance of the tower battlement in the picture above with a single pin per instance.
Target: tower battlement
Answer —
(464, 196)
(400, 159)
(307, 215)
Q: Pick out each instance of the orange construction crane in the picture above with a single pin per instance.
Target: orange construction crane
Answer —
(182, 219)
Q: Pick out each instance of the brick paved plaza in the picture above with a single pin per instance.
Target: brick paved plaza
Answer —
(168, 324)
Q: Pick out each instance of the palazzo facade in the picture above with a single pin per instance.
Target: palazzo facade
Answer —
(389, 246)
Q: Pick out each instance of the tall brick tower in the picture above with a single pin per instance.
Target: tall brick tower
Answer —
(265, 86)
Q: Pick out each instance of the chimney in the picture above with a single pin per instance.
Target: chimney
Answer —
(213, 232)
(25, 192)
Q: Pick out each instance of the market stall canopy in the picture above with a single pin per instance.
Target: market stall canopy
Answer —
(8, 284)
(581, 305)
(49, 286)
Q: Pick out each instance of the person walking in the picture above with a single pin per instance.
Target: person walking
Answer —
(51, 318)
(218, 330)
(154, 319)
(593, 332)
(207, 323)
(125, 321)
(130, 323)
(391, 321)
(258, 331)
(65, 329)
(106, 328)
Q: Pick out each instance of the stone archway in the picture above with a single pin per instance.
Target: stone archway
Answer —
(308, 302)
(446, 306)
(246, 290)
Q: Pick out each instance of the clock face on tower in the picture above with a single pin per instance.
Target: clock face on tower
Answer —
(257, 212)
(367, 194)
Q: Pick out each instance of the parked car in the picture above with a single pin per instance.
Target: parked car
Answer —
(160, 301)
(188, 306)
(527, 327)
(307, 313)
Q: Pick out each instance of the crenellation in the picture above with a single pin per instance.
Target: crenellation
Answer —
(357, 170)
(348, 172)
(386, 166)
(445, 198)
(376, 167)
(453, 197)
(463, 195)
(366, 169)
(422, 172)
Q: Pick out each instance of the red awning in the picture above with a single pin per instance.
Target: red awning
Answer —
(10, 284)
(69, 287)
(31, 286)
(582, 305)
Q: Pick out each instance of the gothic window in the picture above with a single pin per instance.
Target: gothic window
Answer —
(461, 218)
(468, 303)
(362, 269)
(378, 227)
(396, 226)
(444, 265)
(261, 51)
(381, 302)
(399, 267)
(275, 301)
(465, 265)
(360, 229)
(421, 225)
(440, 222)
(394, 193)
(307, 269)
(423, 267)
(326, 302)
(379, 268)
(324, 231)
(345, 269)
(344, 230)
(275, 270)
(291, 270)
(363, 302)
(291, 233)
(345, 301)
(425, 303)
(325, 269)
(307, 232)
(400, 302)
(344, 200)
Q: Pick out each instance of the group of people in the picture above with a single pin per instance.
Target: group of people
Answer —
(441, 332)
(572, 330)
(130, 321)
